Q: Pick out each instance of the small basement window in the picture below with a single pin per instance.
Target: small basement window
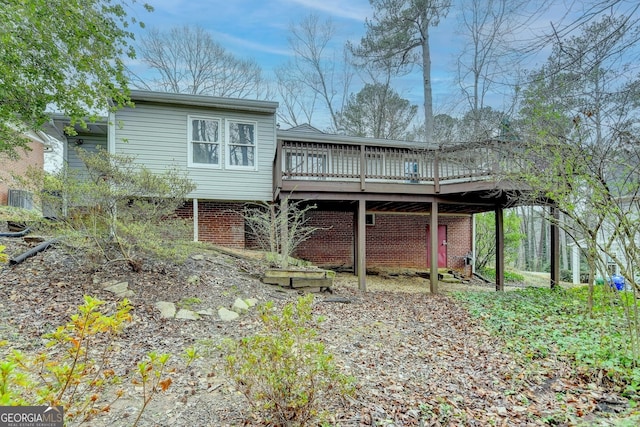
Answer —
(370, 219)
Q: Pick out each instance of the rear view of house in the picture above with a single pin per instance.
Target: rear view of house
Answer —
(378, 202)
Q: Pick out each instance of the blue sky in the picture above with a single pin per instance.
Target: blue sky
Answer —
(259, 29)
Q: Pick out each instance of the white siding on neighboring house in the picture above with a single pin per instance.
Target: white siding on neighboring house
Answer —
(158, 136)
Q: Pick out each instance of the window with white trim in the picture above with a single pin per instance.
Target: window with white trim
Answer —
(204, 142)
(241, 144)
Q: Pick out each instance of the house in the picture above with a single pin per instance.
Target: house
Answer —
(377, 200)
(13, 192)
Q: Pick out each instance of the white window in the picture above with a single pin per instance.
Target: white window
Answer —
(204, 142)
(241, 144)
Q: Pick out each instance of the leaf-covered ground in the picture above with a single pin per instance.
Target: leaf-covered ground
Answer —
(419, 359)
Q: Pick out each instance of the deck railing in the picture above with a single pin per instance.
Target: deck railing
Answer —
(374, 163)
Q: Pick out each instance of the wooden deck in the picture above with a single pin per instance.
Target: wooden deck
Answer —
(364, 175)
(331, 167)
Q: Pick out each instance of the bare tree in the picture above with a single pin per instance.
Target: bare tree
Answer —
(323, 74)
(581, 112)
(188, 60)
(491, 50)
(400, 28)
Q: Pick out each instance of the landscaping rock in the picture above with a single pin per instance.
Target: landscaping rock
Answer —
(240, 306)
(121, 289)
(187, 314)
(227, 315)
(167, 309)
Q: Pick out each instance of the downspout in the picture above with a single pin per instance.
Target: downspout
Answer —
(111, 133)
(195, 220)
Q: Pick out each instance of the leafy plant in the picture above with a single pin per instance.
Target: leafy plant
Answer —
(509, 276)
(117, 210)
(3, 256)
(152, 378)
(537, 323)
(285, 372)
(74, 370)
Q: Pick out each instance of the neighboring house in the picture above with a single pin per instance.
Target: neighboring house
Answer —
(377, 200)
(617, 249)
(12, 190)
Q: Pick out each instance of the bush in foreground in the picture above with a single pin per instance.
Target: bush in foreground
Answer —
(285, 372)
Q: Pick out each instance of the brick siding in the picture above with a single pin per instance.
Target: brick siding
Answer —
(395, 240)
(11, 168)
(220, 223)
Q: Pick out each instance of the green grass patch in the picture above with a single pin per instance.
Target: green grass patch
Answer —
(509, 276)
(537, 323)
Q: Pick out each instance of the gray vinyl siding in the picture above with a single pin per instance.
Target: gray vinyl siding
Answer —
(90, 144)
(158, 138)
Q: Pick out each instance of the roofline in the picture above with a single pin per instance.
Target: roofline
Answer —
(303, 136)
(251, 105)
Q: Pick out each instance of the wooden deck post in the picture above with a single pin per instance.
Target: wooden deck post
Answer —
(555, 247)
(361, 246)
(433, 262)
(499, 249)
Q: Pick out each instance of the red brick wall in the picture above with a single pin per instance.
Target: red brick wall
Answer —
(396, 240)
(333, 245)
(459, 241)
(9, 168)
(220, 223)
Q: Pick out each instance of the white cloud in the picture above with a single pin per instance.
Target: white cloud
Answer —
(339, 8)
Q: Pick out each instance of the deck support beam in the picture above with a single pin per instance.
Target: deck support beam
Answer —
(361, 245)
(433, 261)
(499, 249)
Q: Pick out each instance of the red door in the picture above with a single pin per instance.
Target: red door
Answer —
(442, 246)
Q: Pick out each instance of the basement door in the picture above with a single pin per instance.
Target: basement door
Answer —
(442, 246)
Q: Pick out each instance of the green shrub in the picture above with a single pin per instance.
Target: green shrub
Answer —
(75, 370)
(509, 276)
(285, 372)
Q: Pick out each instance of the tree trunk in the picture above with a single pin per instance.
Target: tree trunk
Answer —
(428, 98)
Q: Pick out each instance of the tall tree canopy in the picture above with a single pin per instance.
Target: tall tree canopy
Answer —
(377, 111)
(187, 60)
(399, 31)
(64, 55)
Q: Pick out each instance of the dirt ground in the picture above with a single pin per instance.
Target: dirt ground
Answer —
(419, 359)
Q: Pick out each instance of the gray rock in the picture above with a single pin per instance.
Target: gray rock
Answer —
(197, 257)
(187, 314)
(240, 306)
(167, 309)
(227, 315)
(121, 289)
(206, 312)
(251, 302)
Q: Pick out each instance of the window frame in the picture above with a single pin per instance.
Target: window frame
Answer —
(228, 144)
(190, 142)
